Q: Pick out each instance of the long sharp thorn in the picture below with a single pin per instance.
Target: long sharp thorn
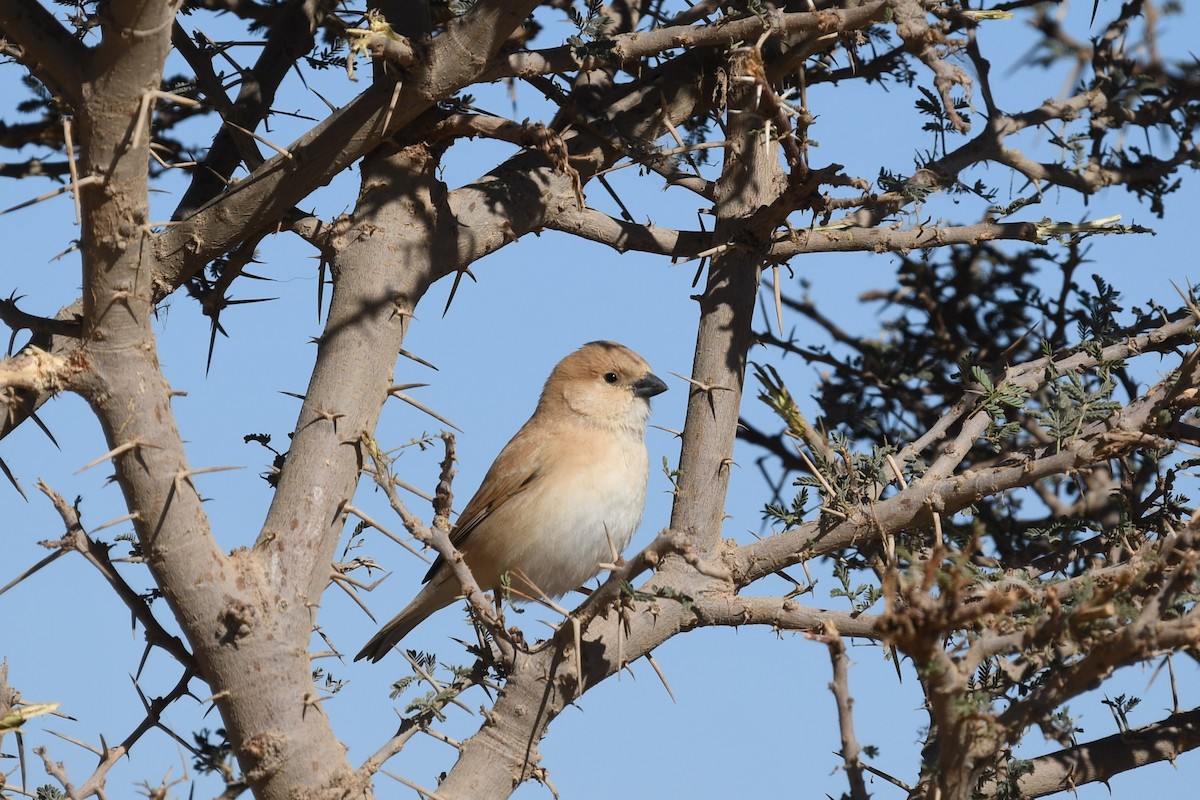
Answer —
(454, 288)
(658, 671)
(320, 288)
(116, 451)
(778, 300)
(45, 562)
(212, 344)
(13, 480)
(341, 584)
(417, 359)
(38, 421)
(419, 406)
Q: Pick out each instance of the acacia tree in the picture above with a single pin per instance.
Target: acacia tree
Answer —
(997, 485)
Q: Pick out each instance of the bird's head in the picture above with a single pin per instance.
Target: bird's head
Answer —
(603, 383)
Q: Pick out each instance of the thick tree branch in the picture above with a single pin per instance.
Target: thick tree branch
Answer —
(37, 40)
(257, 202)
(290, 37)
(782, 613)
(751, 178)
(34, 167)
(219, 600)
(375, 291)
(1102, 759)
(623, 236)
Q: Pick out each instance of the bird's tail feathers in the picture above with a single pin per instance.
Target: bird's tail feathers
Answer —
(436, 595)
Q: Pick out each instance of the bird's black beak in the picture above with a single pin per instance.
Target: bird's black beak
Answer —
(648, 385)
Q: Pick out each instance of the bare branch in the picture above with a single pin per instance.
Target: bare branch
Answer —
(37, 40)
(97, 554)
(628, 47)
(840, 686)
(939, 491)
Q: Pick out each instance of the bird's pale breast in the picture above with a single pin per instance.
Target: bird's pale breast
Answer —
(597, 484)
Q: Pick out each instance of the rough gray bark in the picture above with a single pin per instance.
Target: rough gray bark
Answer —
(249, 615)
(751, 179)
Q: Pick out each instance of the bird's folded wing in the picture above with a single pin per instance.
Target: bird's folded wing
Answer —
(502, 483)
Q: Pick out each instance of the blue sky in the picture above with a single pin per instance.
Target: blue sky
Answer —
(752, 712)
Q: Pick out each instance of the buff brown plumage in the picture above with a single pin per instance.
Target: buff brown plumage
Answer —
(572, 479)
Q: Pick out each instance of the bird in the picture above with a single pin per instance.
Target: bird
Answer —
(568, 488)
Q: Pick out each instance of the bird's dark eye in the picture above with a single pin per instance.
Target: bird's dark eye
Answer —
(610, 377)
